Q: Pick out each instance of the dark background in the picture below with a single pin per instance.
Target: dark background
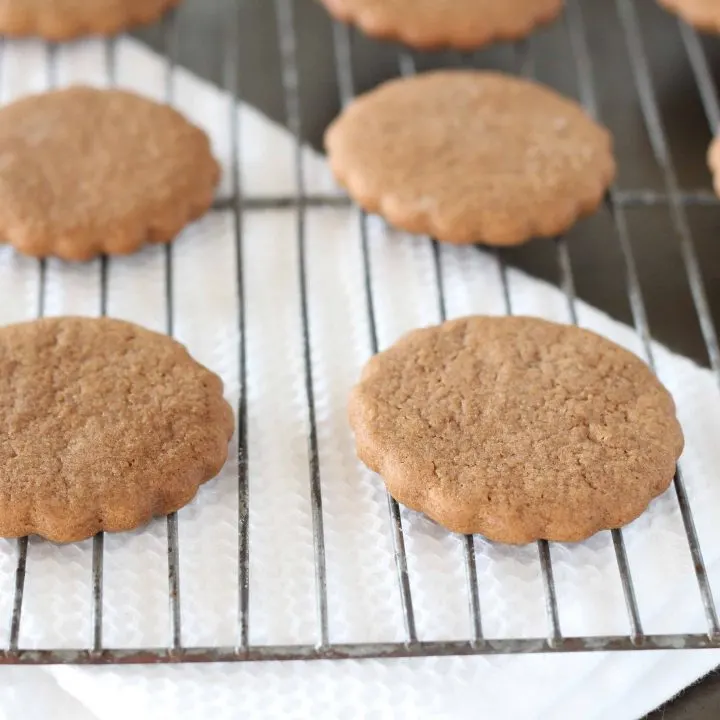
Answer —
(204, 29)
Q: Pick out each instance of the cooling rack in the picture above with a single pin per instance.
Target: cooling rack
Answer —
(618, 203)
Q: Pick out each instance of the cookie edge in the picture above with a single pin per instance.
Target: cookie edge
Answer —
(700, 22)
(371, 26)
(61, 32)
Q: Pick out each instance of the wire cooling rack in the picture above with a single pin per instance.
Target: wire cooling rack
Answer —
(618, 203)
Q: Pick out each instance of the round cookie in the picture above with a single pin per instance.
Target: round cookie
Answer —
(703, 14)
(65, 19)
(86, 171)
(461, 24)
(470, 156)
(103, 425)
(516, 428)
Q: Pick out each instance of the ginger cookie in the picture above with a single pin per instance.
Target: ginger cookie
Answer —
(516, 428)
(703, 14)
(65, 19)
(714, 163)
(461, 24)
(471, 157)
(103, 425)
(86, 171)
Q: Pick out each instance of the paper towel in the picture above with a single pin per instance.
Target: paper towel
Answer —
(363, 598)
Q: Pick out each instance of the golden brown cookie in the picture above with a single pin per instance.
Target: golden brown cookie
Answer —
(86, 171)
(516, 428)
(65, 19)
(703, 14)
(714, 163)
(103, 425)
(470, 156)
(461, 24)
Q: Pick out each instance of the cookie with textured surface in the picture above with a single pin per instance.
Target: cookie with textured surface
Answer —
(516, 428)
(472, 157)
(86, 171)
(103, 425)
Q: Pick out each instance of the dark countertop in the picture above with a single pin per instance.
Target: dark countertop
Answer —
(597, 262)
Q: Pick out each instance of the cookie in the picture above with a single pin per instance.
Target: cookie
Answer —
(516, 428)
(471, 157)
(714, 163)
(103, 425)
(86, 171)
(460, 24)
(703, 14)
(65, 19)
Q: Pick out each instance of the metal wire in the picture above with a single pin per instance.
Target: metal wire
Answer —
(624, 198)
(98, 553)
(567, 283)
(617, 202)
(658, 140)
(346, 88)
(408, 68)
(703, 75)
(358, 651)
(290, 81)
(22, 543)
(585, 76)
(232, 81)
(170, 36)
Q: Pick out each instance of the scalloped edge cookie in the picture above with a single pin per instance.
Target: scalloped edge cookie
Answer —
(87, 171)
(516, 428)
(471, 157)
(103, 426)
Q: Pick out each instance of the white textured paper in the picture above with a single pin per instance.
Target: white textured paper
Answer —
(363, 597)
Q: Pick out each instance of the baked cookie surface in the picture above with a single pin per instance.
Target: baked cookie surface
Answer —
(470, 156)
(703, 14)
(86, 171)
(461, 24)
(517, 429)
(103, 425)
(66, 19)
